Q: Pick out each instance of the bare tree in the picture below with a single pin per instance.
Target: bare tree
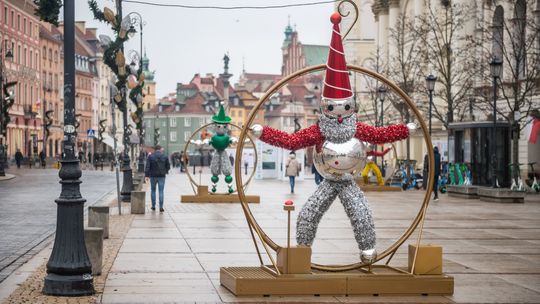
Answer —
(449, 53)
(513, 37)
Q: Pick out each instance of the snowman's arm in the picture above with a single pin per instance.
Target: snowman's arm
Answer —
(381, 135)
(304, 138)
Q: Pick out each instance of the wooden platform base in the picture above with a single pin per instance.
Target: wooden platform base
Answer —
(203, 196)
(377, 188)
(382, 280)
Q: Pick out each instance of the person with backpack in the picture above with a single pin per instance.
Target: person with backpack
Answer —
(292, 169)
(157, 167)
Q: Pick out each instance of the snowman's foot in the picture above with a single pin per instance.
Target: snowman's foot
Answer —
(368, 256)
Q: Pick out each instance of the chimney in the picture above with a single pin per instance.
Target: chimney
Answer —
(81, 25)
(92, 31)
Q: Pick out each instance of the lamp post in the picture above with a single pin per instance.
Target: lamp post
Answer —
(430, 85)
(4, 107)
(495, 68)
(136, 19)
(127, 180)
(382, 95)
(69, 272)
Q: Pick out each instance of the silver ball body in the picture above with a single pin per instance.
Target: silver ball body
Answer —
(341, 161)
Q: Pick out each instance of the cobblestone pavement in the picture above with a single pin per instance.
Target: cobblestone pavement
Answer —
(28, 210)
(492, 250)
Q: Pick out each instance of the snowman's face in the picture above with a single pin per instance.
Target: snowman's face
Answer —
(338, 108)
(221, 129)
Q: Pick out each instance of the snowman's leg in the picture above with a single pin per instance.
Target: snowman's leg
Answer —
(312, 212)
(215, 167)
(226, 169)
(356, 207)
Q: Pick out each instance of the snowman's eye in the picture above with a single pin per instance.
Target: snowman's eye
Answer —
(347, 107)
(330, 108)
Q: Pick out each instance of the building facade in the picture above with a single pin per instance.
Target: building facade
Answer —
(297, 55)
(52, 87)
(494, 26)
(20, 34)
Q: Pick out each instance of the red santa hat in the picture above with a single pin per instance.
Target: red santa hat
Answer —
(336, 82)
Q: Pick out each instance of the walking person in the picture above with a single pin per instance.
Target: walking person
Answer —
(18, 158)
(318, 176)
(157, 167)
(89, 159)
(42, 159)
(182, 161)
(292, 169)
(437, 169)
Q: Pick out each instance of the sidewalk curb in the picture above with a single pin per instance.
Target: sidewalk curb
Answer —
(7, 177)
(28, 268)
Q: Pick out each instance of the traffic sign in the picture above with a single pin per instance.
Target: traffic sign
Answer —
(91, 133)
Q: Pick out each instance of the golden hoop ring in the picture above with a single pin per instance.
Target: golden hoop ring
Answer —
(195, 185)
(421, 213)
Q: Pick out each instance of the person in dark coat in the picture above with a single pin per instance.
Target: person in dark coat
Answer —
(42, 159)
(318, 176)
(157, 167)
(18, 158)
(437, 169)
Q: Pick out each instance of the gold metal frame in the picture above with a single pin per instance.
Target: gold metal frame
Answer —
(195, 185)
(390, 251)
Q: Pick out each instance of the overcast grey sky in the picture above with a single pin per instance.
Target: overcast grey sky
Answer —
(181, 42)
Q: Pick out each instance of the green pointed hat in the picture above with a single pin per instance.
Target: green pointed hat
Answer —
(221, 118)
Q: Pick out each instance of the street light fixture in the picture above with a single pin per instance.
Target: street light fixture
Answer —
(496, 69)
(134, 18)
(430, 85)
(69, 271)
(382, 95)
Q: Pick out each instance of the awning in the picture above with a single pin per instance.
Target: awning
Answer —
(109, 141)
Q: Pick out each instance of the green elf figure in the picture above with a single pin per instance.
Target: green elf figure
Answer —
(221, 140)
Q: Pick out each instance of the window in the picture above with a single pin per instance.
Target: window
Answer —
(173, 136)
(5, 15)
(164, 123)
(233, 113)
(187, 135)
(30, 58)
(24, 26)
(201, 121)
(24, 57)
(44, 53)
(19, 54)
(187, 122)
(12, 19)
(18, 22)
(50, 54)
(55, 56)
(172, 122)
(498, 32)
(30, 29)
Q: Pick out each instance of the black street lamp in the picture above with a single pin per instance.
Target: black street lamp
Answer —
(136, 19)
(382, 95)
(430, 85)
(69, 272)
(5, 104)
(496, 69)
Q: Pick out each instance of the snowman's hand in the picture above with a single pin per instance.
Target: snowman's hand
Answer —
(233, 140)
(256, 130)
(412, 127)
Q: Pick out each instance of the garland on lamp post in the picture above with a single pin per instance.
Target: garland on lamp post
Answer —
(114, 58)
